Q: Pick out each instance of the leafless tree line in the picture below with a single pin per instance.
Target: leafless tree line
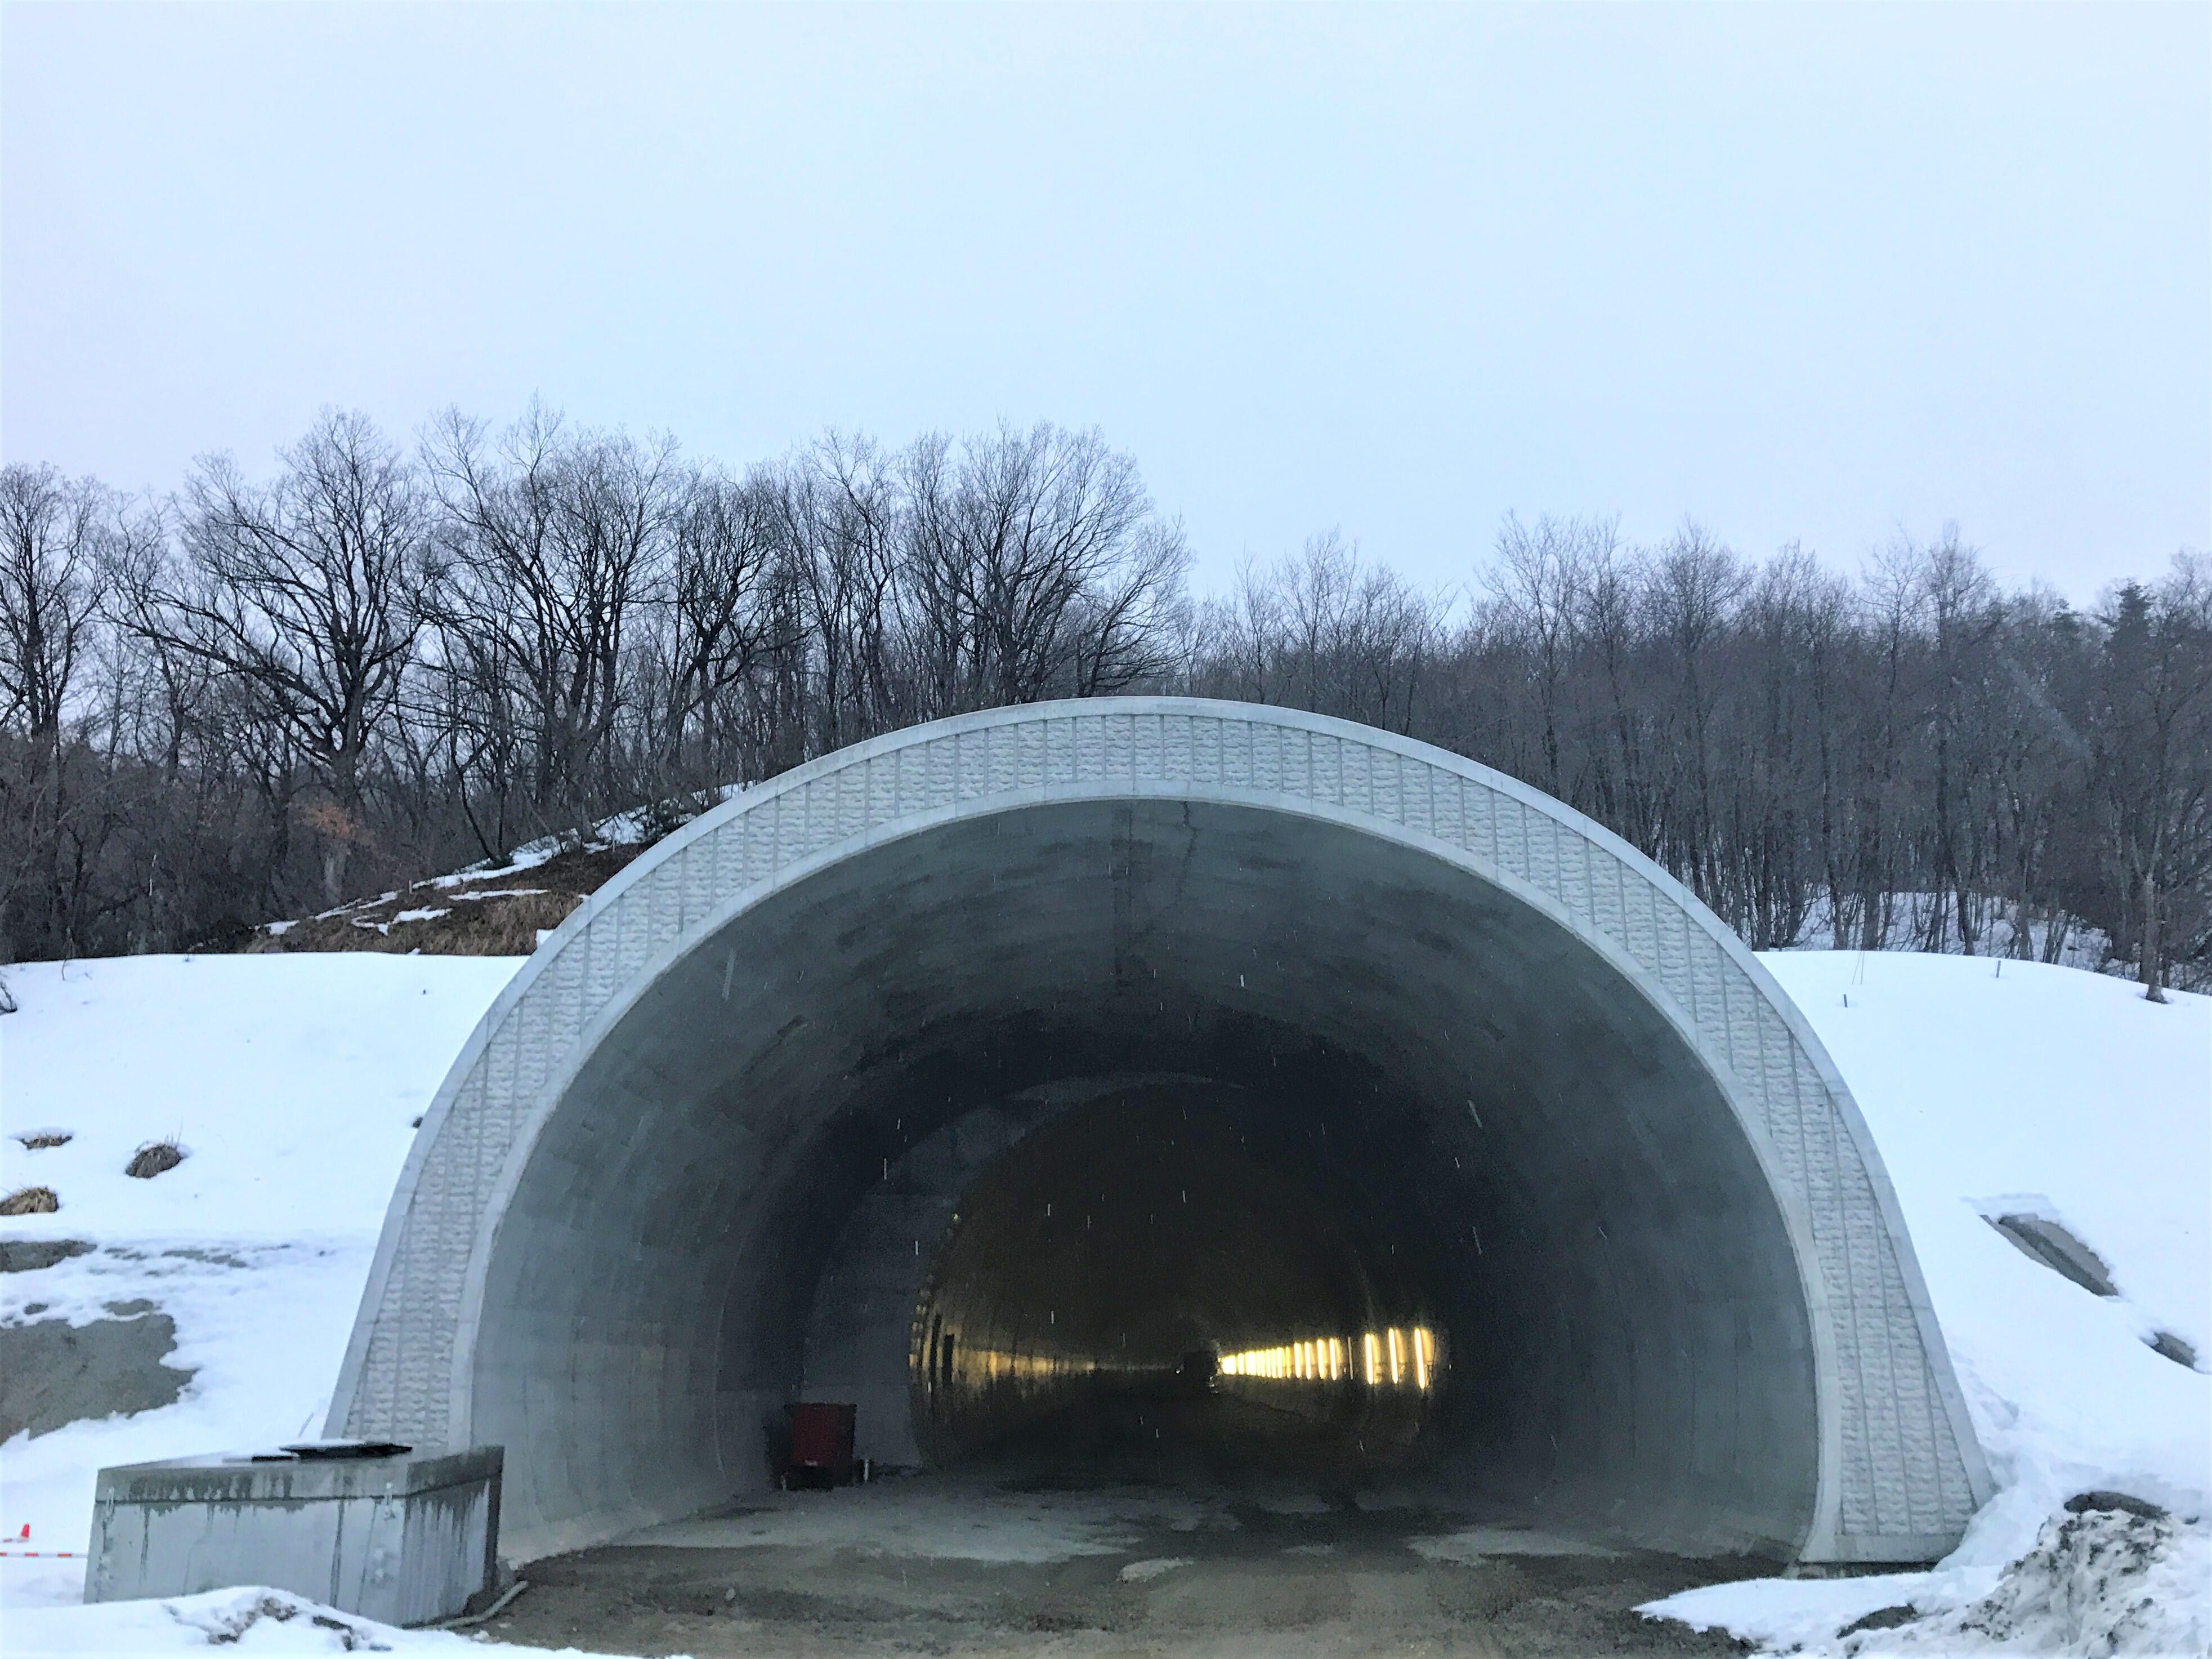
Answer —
(264, 695)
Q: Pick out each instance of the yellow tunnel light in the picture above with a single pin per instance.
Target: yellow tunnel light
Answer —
(1396, 1354)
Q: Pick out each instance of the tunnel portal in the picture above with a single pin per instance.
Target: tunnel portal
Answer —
(1103, 1088)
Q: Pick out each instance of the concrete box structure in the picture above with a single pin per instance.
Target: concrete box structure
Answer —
(403, 1540)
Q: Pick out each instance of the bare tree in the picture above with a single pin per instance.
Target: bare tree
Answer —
(2154, 764)
(50, 591)
(1695, 586)
(1238, 639)
(1532, 586)
(51, 585)
(1133, 619)
(300, 591)
(368, 667)
(721, 621)
(548, 544)
(1606, 593)
(843, 510)
(1035, 566)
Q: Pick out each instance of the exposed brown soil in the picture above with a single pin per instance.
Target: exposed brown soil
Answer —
(491, 915)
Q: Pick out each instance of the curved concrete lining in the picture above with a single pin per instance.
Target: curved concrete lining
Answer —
(1516, 1082)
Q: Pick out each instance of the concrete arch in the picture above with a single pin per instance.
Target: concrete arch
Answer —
(605, 1247)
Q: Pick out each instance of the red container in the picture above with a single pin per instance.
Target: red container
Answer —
(821, 1444)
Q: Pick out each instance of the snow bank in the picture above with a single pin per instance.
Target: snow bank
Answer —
(248, 1620)
(2103, 1583)
(1993, 1089)
(294, 1084)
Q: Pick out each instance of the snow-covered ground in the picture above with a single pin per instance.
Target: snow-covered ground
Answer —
(1929, 923)
(249, 1620)
(293, 1082)
(2048, 1090)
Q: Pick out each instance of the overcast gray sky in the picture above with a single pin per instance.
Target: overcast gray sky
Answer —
(1804, 273)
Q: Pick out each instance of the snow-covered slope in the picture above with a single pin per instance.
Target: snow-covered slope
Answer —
(2062, 1093)
(2048, 1090)
(293, 1085)
(293, 1082)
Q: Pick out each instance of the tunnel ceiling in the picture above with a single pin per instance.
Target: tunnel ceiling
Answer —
(1502, 1073)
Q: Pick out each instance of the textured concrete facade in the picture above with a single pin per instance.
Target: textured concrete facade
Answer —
(505, 1305)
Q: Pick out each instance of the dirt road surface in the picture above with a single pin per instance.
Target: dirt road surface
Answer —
(936, 1566)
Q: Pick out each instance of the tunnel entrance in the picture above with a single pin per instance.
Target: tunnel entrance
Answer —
(1055, 1077)
(1121, 1083)
(1182, 1280)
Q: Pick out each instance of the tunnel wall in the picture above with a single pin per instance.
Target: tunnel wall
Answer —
(1899, 1469)
(859, 1328)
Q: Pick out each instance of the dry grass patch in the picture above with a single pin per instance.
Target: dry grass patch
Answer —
(482, 916)
(153, 1159)
(30, 1201)
(38, 1141)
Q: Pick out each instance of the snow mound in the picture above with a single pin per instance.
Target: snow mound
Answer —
(2101, 1584)
(2104, 1582)
(246, 1620)
(1994, 1089)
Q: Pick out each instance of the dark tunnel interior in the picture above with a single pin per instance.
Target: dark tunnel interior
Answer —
(1179, 1278)
(1131, 1134)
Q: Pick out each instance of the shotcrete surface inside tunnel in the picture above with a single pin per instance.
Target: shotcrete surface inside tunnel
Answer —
(1473, 1122)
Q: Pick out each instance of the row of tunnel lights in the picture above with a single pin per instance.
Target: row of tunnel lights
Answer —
(1393, 1356)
